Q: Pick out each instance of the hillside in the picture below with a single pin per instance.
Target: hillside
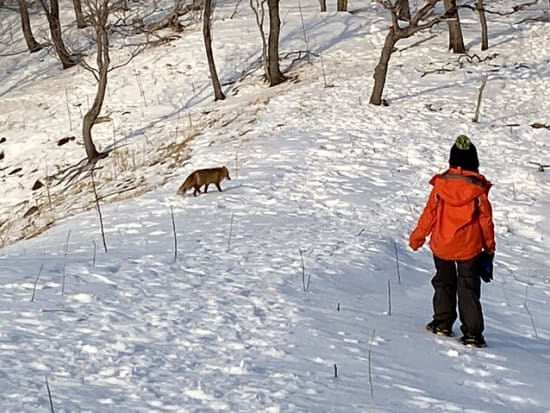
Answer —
(300, 268)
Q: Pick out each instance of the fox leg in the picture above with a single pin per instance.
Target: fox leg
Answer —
(218, 186)
(197, 190)
(206, 188)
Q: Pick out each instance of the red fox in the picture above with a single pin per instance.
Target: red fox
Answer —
(204, 177)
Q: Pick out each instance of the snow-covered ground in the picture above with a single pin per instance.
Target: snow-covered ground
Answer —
(231, 319)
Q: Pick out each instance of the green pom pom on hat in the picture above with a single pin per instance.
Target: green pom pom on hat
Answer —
(463, 142)
(464, 154)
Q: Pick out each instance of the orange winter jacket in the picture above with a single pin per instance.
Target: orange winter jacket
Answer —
(458, 216)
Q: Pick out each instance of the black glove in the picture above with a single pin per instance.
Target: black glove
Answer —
(486, 266)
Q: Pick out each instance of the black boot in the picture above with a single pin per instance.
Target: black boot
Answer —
(439, 328)
(473, 341)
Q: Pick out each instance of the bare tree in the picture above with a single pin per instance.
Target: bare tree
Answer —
(32, 44)
(483, 22)
(270, 47)
(396, 33)
(342, 5)
(80, 20)
(97, 12)
(274, 75)
(207, 34)
(403, 10)
(456, 41)
(98, 15)
(51, 7)
(257, 7)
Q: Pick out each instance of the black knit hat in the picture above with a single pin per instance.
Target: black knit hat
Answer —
(464, 154)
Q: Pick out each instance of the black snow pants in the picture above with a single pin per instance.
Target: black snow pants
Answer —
(458, 278)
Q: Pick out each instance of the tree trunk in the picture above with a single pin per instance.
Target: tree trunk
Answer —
(403, 10)
(103, 61)
(32, 44)
(80, 20)
(207, 34)
(483, 22)
(274, 75)
(456, 41)
(381, 69)
(323, 5)
(52, 14)
(342, 5)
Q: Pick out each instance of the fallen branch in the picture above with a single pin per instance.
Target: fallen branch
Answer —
(515, 9)
(540, 166)
(474, 58)
(169, 21)
(538, 125)
(437, 71)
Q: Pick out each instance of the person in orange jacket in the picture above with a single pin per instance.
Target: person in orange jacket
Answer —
(458, 218)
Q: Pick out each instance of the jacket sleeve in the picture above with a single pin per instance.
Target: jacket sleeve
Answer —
(486, 223)
(425, 222)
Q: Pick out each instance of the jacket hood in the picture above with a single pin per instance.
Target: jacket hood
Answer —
(458, 187)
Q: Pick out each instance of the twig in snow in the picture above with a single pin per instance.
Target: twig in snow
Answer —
(48, 187)
(230, 234)
(175, 234)
(237, 163)
(409, 203)
(305, 283)
(98, 211)
(303, 25)
(65, 263)
(36, 282)
(397, 261)
(324, 74)
(529, 313)
(68, 109)
(93, 257)
(141, 91)
(370, 366)
(335, 371)
(389, 298)
(177, 125)
(479, 97)
(49, 396)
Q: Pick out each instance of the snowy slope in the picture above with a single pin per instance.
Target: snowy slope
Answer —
(235, 321)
